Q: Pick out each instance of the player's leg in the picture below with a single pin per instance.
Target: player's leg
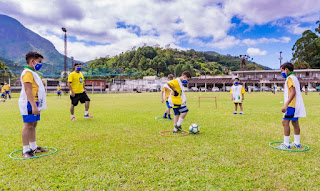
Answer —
(26, 132)
(183, 113)
(175, 119)
(296, 127)
(241, 108)
(85, 99)
(169, 115)
(235, 108)
(74, 102)
(286, 132)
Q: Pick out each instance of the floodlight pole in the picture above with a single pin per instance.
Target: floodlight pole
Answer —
(65, 58)
(280, 58)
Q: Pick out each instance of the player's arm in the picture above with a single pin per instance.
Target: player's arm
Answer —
(162, 95)
(30, 98)
(84, 87)
(70, 88)
(291, 96)
(175, 93)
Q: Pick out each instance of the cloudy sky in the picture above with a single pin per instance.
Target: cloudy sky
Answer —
(97, 28)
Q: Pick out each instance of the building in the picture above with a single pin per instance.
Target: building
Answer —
(259, 79)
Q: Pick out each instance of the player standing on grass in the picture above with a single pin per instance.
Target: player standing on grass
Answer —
(293, 107)
(6, 88)
(178, 100)
(59, 91)
(166, 93)
(78, 91)
(237, 95)
(32, 100)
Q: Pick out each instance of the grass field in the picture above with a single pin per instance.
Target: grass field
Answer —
(121, 149)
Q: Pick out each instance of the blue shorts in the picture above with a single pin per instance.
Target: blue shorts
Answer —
(181, 109)
(59, 93)
(7, 92)
(2, 95)
(30, 118)
(289, 115)
(168, 105)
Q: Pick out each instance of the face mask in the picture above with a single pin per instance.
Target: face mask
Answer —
(79, 69)
(184, 81)
(236, 83)
(284, 74)
(37, 66)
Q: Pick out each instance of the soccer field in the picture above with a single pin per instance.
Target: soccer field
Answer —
(121, 149)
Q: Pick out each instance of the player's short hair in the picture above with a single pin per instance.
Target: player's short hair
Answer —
(170, 77)
(287, 65)
(186, 73)
(76, 64)
(32, 55)
(237, 79)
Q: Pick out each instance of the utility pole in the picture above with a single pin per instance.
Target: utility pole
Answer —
(72, 59)
(280, 58)
(65, 58)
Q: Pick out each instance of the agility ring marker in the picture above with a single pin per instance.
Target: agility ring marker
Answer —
(47, 154)
(162, 133)
(163, 119)
(292, 150)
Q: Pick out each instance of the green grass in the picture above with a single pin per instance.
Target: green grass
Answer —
(121, 149)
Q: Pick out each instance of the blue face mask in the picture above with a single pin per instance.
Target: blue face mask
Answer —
(37, 66)
(79, 69)
(184, 81)
(284, 74)
(236, 83)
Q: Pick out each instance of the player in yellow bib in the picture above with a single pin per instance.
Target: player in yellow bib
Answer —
(178, 100)
(78, 91)
(29, 104)
(165, 93)
(59, 91)
(6, 90)
(237, 95)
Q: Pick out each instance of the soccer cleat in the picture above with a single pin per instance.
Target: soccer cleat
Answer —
(175, 129)
(235, 113)
(28, 154)
(73, 119)
(240, 113)
(164, 117)
(40, 150)
(283, 146)
(293, 145)
(169, 118)
(88, 116)
(179, 128)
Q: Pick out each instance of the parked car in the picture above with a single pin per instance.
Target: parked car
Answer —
(311, 89)
(185, 89)
(266, 89)
(194, 89)
(203, 89)
(228, 88)
(215, 89)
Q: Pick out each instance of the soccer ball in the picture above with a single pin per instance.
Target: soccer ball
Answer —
(194, 129)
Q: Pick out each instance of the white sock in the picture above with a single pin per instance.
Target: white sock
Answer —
(297, 139)
(26, 148)
(235, 111)
(179, 122)
(286, 140)
(86, 112)
(72, 116)
(33, 145)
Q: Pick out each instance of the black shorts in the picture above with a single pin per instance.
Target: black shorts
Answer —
(82, 97)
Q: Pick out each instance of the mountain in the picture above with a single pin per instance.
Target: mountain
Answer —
(16, 40)
(148, 60)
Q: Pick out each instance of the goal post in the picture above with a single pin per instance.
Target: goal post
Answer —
(208, 97)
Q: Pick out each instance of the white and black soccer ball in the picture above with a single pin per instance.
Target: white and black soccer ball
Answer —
(194, 128)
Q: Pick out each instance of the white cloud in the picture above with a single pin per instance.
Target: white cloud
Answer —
(256, 52)
(151, 22)
(296, 29)
(266, 40)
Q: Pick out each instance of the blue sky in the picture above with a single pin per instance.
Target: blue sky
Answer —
(106, 28)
